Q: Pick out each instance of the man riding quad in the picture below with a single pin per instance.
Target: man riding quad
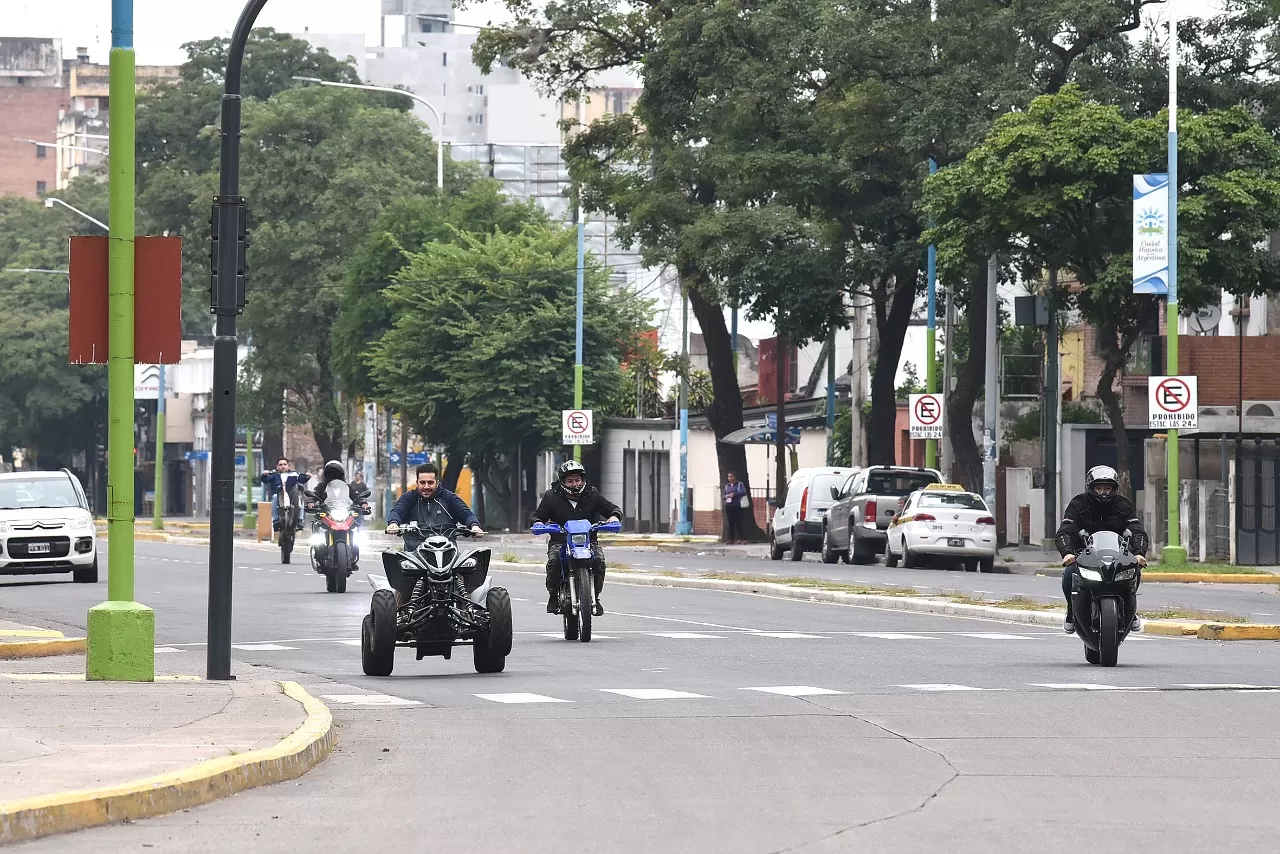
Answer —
(571, 498)
(431, 506)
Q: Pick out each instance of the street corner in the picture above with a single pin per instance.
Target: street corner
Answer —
(196, 742)
(18, 641)
(1219, 631)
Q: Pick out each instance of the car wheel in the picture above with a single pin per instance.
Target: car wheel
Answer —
(775, 550)
(970, 564)
(890, 559)
(987, 564)
(858, 553)
(829, 555)
(797, 551)
(88, 575)
(908, 559)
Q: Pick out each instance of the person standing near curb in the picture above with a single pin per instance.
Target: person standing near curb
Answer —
(736, 500)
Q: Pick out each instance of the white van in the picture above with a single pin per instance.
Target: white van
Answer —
(797, 521)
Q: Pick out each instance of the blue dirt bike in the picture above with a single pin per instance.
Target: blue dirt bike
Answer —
(577, 590)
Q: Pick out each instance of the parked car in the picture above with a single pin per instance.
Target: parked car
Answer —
(797, 520)
(855, 525)
(943, 521)
(46, 526)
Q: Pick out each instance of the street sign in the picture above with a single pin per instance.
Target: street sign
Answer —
(1173, 403)
(925, 418)
(1151, 235)
(575, 427)
(416, 458)
(771, 420)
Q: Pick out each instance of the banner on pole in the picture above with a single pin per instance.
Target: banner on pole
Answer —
(1151, 234)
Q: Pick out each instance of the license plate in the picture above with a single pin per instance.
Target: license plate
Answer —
(955, 542)
(37, 548)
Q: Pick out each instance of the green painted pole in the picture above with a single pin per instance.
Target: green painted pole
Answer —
(250, 517)
(157, 518)
(931, 338)
(121, 632)
(1174, 553)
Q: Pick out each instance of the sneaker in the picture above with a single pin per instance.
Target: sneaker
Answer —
(597, 609)
(553, 604)
(1069, 627)
(1136, 625)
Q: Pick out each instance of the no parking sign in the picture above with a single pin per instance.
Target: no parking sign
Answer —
(575, 427)
(926, 416)
(1173, 403)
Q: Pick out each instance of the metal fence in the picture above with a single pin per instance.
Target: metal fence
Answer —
(1205, 520)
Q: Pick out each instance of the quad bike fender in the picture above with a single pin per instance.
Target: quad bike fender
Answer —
(481, 593)
(395, 577)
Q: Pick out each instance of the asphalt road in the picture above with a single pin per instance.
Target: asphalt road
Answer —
(701, 721)
(1260, 603)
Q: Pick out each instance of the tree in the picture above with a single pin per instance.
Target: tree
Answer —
(319, 166)
(1058, 177)
(49, 407)
(481, 349)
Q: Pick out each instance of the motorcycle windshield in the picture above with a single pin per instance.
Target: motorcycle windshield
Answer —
(1106, 544)
(337, 499)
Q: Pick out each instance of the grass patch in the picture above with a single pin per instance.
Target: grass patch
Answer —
(1024, 603)
(1208, 569)
(511, 557)
(1192, 614)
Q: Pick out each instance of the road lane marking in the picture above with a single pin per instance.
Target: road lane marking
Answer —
(520, 697)
(795, 690)
(260, 647)
(677, 620)
(686, 635)
(942, 686)
(370, 700)
(560, 636)
(787, 635)
(891, 636)
(1215, 686)
(167, 649)
(654, 694)
(993, 636)
(1087, 686)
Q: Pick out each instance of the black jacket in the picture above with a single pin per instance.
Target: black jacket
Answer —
(1086, 514)
(592, 506)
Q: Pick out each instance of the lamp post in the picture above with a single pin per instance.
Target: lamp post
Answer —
(423, 101)
(50, 201)
(1174, 554)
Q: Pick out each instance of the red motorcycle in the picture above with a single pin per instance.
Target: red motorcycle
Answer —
(336, 536)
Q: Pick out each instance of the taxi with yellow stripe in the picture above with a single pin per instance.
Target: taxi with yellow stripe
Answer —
(943, 523)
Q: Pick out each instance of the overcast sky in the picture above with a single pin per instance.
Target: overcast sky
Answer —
(161, 26)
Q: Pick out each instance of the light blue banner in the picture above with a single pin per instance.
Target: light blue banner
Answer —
(1151, 234)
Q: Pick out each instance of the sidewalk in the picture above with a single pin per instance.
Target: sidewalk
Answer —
(76, 754)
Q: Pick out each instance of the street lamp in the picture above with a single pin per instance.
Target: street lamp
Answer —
(50, 201)
(41, 144)
(407, 94)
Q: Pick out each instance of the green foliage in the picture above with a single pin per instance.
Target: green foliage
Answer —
(481, 350)
(842, 453)
(47, 405)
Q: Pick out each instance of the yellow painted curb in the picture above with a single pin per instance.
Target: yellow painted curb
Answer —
(30, 633)
(42, 648)
(207, 781)
(1170, 628)
(1217, 631)
(1207, 578)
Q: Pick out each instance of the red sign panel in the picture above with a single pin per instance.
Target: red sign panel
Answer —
(157, 300)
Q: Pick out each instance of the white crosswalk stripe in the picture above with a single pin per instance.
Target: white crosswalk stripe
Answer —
(260, 647)
(795, 690)
(654, 694)
(521, 698)
(892, 636)
(944, 686)
(687, 635)
(370, 700)
(1088, 686)
(788, 635)
(994, 636)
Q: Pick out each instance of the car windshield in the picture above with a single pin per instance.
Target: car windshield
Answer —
(898, 483)
(963, 500)
(44, 492)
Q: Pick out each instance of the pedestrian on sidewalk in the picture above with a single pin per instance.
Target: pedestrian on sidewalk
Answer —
(736, 500)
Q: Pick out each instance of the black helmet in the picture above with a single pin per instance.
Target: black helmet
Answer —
(568, 468)
(1100, 475)
(333, 470)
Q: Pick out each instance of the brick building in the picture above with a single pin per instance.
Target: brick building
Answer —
(32, 95)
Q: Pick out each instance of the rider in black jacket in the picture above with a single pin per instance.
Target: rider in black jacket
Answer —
(1100, 507)
(571, 498)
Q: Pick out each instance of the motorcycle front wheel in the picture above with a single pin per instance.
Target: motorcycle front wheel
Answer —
(1108, 632)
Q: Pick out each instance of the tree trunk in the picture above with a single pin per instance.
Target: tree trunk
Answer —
(966, 458)
(725, 412)
(453, 470)
(272, 446)
(893, 315)
(1114, 355)
(326, 425)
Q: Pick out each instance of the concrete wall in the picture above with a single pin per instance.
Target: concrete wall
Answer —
(641, 434)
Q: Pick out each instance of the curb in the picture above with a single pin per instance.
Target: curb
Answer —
(867, 600)
(199, 784)
(1217, 631)
(1167, 628)
(1207, 578)
(41, 648)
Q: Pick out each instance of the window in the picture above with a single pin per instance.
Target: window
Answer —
(41, 187)
(444, 57)
(444, 88)
(898, 483)
(480, 119)
(40, 152)
(480, 90)
(962, 500)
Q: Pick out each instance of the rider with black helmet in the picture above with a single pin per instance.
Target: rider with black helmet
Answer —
(333, 470)
(1100, 507)
(571, 498)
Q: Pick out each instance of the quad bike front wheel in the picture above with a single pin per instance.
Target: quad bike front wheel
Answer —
(491, 649)
(378, 635)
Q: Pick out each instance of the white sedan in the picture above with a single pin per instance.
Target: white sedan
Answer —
(942, 521)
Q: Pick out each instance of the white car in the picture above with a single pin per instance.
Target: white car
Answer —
(46, 526)
(943, 522)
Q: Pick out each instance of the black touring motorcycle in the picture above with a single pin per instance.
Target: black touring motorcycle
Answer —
(449, 601)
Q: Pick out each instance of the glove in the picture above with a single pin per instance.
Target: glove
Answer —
(1068, 560)
(393, 528)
